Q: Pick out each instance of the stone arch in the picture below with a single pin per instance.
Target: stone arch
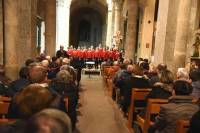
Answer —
(93, 12)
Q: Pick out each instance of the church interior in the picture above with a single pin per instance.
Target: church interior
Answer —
(99, 66)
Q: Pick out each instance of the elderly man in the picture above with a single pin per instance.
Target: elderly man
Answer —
(38, 74)
(61, 52)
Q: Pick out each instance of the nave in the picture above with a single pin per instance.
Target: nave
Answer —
(98, 113)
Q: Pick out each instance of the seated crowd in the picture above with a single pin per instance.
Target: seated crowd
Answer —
(43, 83)
(180, 90)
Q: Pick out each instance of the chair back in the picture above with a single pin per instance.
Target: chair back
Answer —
(182, 126)
(66, 101)
(153, 107)
(4, 106)
(137, 94)
(5, 99)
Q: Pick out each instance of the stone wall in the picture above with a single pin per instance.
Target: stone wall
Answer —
(1, 33)
(18, 35)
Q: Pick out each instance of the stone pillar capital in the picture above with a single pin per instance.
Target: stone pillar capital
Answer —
(63, 3)
(60, 3)
(117, 4)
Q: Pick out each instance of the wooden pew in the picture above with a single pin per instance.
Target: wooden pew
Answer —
(66, 101)
(137, 94)
(153, 107)
(182, 126)
(4, 105)
(5, 99)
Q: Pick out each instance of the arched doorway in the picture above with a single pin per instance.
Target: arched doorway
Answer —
(86, 26)
(88, 23)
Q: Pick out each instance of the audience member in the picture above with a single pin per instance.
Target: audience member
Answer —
(38, 74)
(64, 85)
(45, 63)
(180, 106)
(49, 121)
(182, 74)
(20, 83)
(159, 69)
(77, 64)
(31, 100)
(136, 80)
(164, 88)
(196, 85)
(53, 68)
(194, 123)
(71, 70)
(3, 78)
(29, 61)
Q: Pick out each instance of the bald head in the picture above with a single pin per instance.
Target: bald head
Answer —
(130, 68)
(37, 74)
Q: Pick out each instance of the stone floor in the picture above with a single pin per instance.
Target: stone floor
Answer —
(98, 114)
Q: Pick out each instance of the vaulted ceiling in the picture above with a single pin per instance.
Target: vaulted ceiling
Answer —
(99, 5)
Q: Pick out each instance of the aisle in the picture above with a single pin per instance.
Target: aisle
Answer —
(97, 113)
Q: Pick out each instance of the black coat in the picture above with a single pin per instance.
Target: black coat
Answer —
(130, 82)
(160, 91)
(63, 54)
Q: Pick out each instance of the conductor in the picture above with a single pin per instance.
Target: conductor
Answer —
(62, 52)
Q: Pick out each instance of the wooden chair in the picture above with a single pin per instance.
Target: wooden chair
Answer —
(105, 73)
(137, 94)
(182, 126)
(4, 108)
(153, 108)
(66, 101)
(4, 121)
(5, 99)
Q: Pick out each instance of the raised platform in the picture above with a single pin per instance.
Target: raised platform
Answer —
(91, 71)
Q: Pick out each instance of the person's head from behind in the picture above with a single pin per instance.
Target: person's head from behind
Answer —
(29, 61)
(23, 73)
(49, 121)
(152, 68)
(61, 47)
(64, 76)
(182, 87)
(33, 99)
(138, 70)
(161, 67)
(66, 61)
(126, 61)
(45, 63)
(166, 77)
(130, 68)
(194, 123)
(182, 73)
(54, 59)
(123, 66)
(37, 73)
(48, 58)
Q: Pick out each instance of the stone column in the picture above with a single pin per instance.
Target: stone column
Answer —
(131, 30)
(50, 27)
(109, 26)
(172, 33)
(181, 33)
(1, 33)
(17, 24)
(147, 30)
(117, 10)
(166, 32)
(113, 19)
(62, 23)
(193, 26)
(33, 28)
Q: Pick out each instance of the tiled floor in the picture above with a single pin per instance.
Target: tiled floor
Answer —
(97, 113)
